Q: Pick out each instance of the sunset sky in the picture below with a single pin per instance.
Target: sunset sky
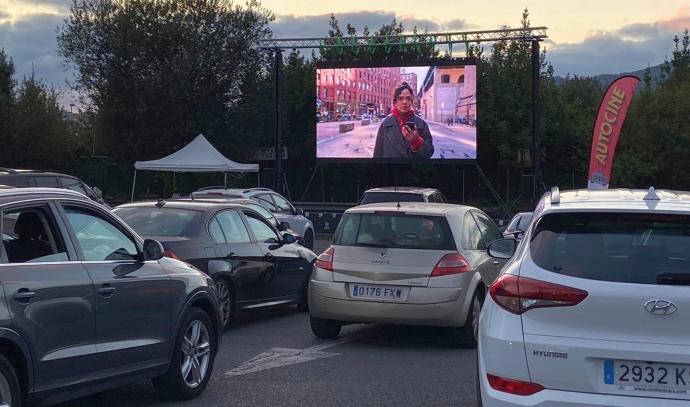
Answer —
(586, 37)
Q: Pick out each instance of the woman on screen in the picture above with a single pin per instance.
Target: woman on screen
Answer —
(402, 134)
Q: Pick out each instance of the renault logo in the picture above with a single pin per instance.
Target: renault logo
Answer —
(660, 307)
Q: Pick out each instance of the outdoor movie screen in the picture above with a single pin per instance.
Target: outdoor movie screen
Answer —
(397, 113)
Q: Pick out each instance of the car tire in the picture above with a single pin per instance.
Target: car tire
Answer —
(226, 300)
(308, 239)
(303, 304)
(10, 390)
(325, 328)
(466, 336)
(197, 359)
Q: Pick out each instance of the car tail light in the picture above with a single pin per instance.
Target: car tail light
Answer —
(171, 254)
(511, 386)
(451, 263)
(521, 294)
(325, 260)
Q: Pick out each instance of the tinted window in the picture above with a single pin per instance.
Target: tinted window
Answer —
(73, 184)
(487, 227)
(282, 204)
(265, 201)
(14, 181)
(620, 247)
(100, 240)
(471, 235)
(30, 236)
(159, 221)
(233, 227)
(394, 231)
(262, 232)
(375, 197)
(48, 182)
(215, 231)
(264, 212)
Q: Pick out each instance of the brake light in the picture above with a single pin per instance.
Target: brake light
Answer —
(511, 386)
(520, 294)
(451, 263)
(171, 254)
(325, 259)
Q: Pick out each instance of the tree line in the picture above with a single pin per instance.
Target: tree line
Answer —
(153, 74)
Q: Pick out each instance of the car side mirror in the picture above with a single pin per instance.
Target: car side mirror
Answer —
(502, 248)
(282, 226)
(153, 250)
(299, 211)
(288, 238)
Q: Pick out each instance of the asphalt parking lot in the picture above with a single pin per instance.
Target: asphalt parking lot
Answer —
(271, 358)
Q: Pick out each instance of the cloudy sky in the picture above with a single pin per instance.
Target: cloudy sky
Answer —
(585, 36)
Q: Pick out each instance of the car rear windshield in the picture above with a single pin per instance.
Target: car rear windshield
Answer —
(621, 247)
(159, 221)
(394, 230)
(376, 197)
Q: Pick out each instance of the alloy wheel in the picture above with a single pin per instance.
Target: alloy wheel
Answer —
(196, 354)
(224, 300)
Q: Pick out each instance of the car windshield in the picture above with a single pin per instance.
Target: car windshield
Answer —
(621, 247)
(158, 221)
(394, 231)
(264, 212)
(376, 197)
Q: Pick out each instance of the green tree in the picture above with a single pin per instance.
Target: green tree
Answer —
(41, 137)
(158, 72)
(7, 100)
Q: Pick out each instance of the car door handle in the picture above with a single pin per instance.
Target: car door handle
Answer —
(23, 295)
(269, 257)
(496, 263)
(106, 290)
(232, 256)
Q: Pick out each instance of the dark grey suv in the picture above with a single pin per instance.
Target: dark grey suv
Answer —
(86, 304)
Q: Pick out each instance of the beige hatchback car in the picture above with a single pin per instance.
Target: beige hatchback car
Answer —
(407, 264)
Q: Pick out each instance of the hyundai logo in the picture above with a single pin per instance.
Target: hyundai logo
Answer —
(660, 307)
(382, 255)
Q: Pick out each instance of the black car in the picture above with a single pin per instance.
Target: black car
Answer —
(31, 178)
(252, 263)
(86, 304)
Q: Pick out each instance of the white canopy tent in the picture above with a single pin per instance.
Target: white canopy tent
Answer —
(197, 156)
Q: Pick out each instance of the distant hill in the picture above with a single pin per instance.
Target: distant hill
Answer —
(606, 79)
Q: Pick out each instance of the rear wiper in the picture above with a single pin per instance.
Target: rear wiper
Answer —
(379, 245)
(673, 279)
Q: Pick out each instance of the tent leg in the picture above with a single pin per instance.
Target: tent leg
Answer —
(174, 182)
(134, 182)
(225, 180)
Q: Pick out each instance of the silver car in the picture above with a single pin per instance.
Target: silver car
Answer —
(408, 264)
(280, 207)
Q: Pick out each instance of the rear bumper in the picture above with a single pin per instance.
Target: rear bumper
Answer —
(443, 307)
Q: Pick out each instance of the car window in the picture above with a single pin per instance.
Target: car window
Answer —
(47, 182)
(215, 231)
(394, 231)
(14, 181)
(264, 212)
(99, 238)
(514, 223)
(30, 235)
(73, 184)
(233, 227)
(265, 201)
(376, 197)
(488, 228)
(282, 205)
(154, 221)
(471, 235)
(525, 219)
(262, 231)
(620, 247)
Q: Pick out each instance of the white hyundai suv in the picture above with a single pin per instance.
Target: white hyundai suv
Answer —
(593, 308)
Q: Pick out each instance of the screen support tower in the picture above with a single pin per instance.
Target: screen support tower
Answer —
(389, 43)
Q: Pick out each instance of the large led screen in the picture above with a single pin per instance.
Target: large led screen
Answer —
(397, 113)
